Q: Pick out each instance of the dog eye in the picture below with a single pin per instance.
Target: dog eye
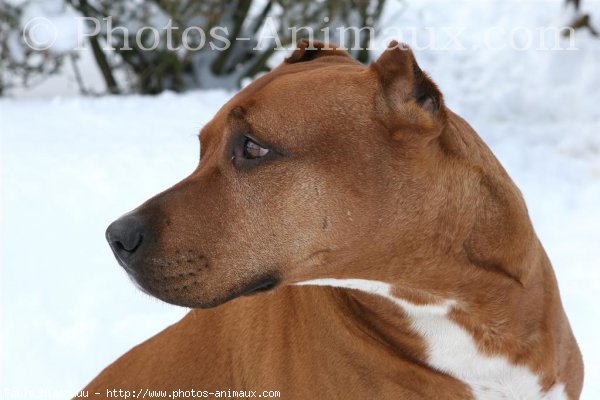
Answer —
(253, 150)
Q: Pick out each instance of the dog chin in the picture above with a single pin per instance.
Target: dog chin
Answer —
(191, 300)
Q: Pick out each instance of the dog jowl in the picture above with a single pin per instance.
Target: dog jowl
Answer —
(331, 172)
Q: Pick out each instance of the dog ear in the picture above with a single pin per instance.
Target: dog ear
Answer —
(403, 81)
(307, 50)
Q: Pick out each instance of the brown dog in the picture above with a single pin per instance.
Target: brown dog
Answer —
(398, 256)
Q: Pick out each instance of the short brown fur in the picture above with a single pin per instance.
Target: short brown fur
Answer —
(375, 178)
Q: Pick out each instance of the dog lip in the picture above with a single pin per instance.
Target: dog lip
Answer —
(263, 285)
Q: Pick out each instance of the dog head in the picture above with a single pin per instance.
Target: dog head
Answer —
(320, 168)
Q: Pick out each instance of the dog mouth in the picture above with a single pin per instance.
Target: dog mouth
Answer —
(188, 289)
(263, 285)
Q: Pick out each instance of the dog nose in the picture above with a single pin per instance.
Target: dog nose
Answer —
(125, 236)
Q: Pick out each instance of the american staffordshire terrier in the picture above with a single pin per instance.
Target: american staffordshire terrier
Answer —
(395, 256)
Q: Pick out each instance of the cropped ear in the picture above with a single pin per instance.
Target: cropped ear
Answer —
(404, 83)
(307, 50)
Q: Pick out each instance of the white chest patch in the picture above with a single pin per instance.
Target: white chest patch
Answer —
(452, 350)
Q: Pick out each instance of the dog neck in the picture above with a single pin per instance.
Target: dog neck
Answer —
(495, 349)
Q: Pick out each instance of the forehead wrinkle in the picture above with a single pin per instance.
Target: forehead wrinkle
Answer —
(236, 118)
(324, 96)
(237, 113)
(290, 71)
(246, 109)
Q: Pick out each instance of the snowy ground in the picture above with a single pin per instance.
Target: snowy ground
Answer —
(69, 166)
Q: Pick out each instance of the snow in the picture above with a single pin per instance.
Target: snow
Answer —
(69, 166)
